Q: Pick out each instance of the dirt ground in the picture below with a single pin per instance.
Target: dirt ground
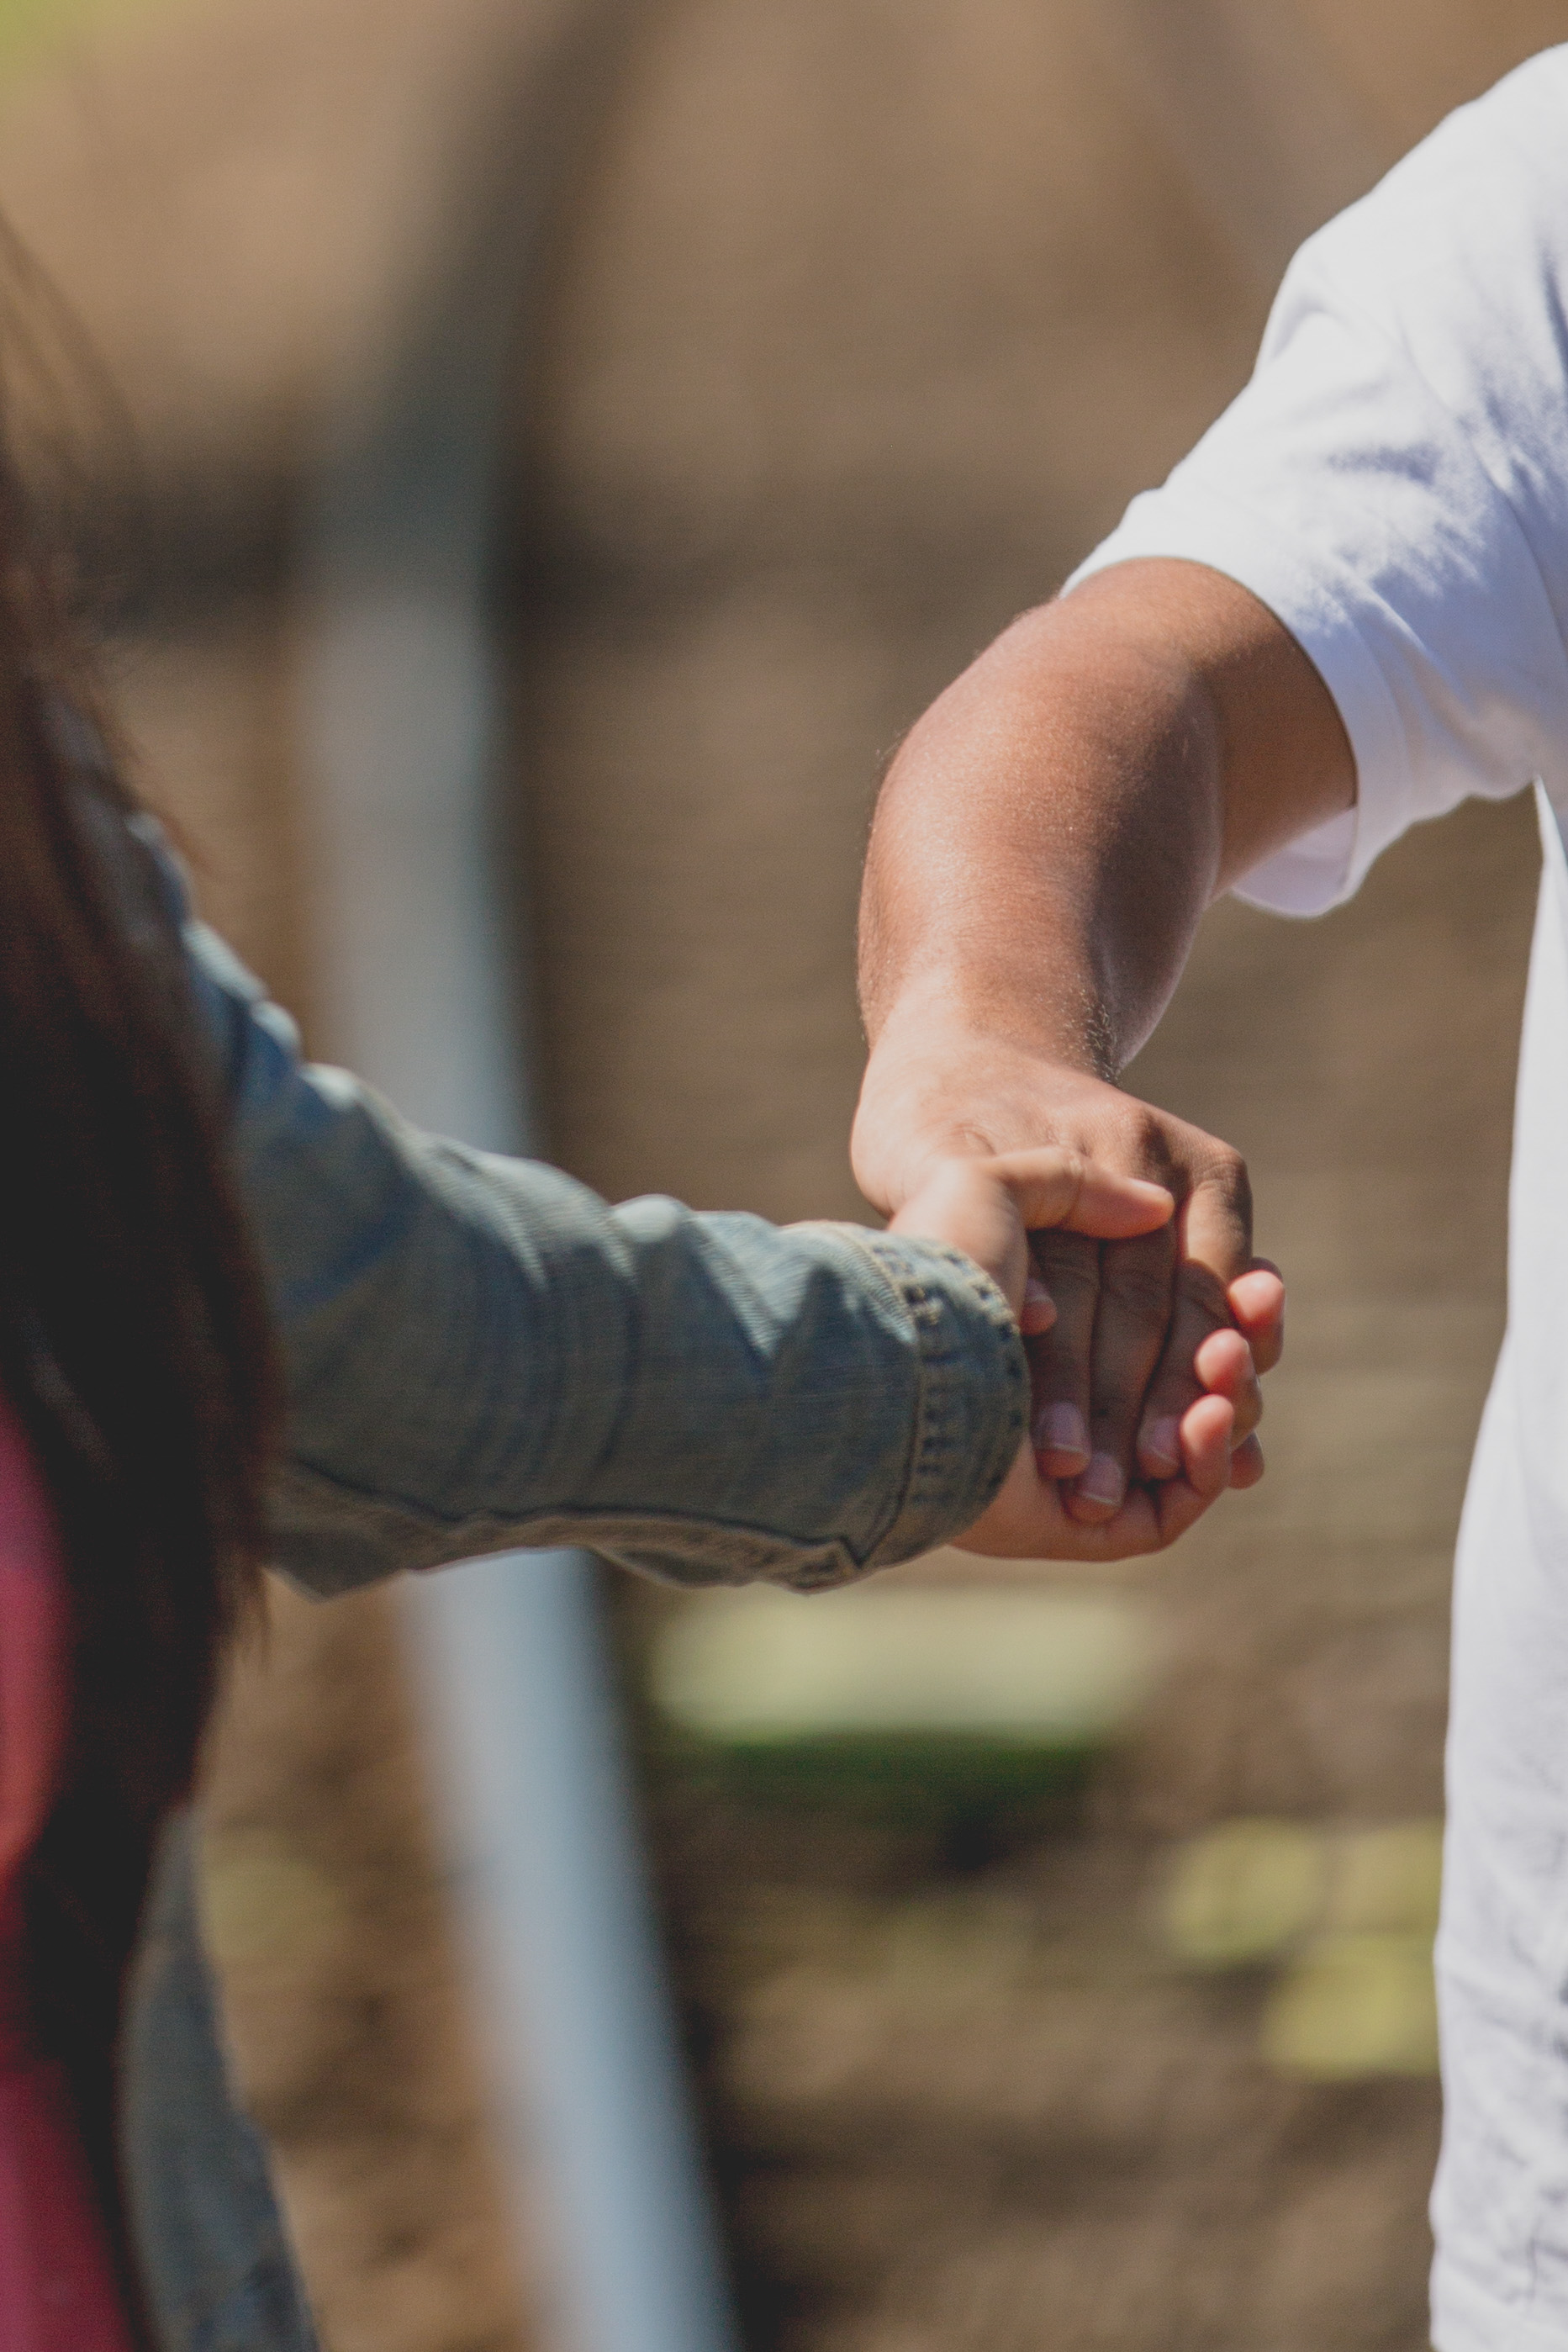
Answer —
(859, 325)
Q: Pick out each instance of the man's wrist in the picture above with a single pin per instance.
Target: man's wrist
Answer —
(940, 1083)
(1061, 1021)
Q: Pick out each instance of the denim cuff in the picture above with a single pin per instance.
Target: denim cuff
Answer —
(949, 1347)
(972, 1406)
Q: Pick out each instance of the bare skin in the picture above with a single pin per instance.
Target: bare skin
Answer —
(1045, 846)
(996, 1210)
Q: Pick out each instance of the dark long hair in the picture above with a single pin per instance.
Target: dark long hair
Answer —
(134, 1337)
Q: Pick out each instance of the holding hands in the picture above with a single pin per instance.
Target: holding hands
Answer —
(1044, 848)
(1123, 1244)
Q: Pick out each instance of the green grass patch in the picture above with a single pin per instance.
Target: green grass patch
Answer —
(931, 1781)
(32, 31)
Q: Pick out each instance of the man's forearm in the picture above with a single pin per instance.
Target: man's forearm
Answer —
(1055, 827)
(1046, 843)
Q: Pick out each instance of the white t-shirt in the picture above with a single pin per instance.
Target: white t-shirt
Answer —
(1394, 485)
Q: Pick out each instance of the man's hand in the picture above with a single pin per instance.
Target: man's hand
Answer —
(999, 1210)
(1142, 1329)
(1044, 847)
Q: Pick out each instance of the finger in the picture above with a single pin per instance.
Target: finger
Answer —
(1027, 1520)
(1067, 1265)
(1131, 1318)
(1224, 1365)
(1215, 1246)
(1207, 1428)
(1054, 1188)
(1038, 1312)
(1257, 1300)
(1199, 1312)
(1246, 1464)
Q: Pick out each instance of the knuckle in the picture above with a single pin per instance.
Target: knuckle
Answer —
(1071, 1279)
(1148, 1139)
(1130, 1134)
(1225, 1172)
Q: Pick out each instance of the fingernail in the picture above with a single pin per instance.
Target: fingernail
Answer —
(1039, 1310)
(1103, 1481)
(1162, 1442)
(1059, 1429)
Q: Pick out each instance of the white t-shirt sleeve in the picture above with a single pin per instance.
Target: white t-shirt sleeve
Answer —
(1393, 483)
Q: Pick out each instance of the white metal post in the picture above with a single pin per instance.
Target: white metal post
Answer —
(400, 718)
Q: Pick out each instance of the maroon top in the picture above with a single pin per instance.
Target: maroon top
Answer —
(57, 2287)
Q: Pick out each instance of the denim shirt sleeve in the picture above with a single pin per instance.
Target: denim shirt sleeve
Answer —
(481, 1354)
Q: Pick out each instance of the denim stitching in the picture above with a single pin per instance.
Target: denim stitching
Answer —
(950, 1359)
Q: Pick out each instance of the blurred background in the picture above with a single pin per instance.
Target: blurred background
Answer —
(1090, 2011)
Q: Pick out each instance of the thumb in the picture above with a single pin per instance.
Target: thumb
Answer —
(987, 1207)
(1055, 1187)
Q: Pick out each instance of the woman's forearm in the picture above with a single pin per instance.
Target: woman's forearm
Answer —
(480, 1354)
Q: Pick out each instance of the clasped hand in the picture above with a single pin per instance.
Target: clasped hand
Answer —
(1123, 1246)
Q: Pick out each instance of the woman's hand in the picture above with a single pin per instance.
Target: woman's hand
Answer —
(988, 1207)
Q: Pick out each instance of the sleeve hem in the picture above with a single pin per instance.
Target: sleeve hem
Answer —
(971, 1408)
(969, 1385)
(1328, 865)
